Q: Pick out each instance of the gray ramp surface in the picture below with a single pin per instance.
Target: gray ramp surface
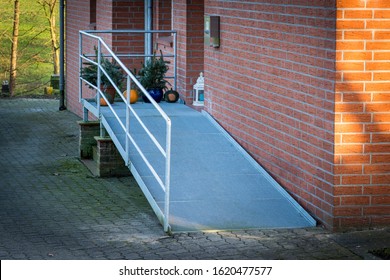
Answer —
(215, 184)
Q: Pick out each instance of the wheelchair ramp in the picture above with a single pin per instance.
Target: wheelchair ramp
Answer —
(215, 184)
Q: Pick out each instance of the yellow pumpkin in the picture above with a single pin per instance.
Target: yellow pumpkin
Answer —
(133, 95)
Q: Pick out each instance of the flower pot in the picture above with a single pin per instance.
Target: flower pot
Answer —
(156, 94)
(133, 95)
(109, 93)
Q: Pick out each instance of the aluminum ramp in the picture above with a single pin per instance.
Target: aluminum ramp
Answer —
(215, 184)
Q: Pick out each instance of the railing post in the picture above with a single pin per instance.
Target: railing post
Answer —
(85, 114)
(99, 76)
(167, 175)
(80, 65)
(127, 102)
(175, 60)
(102, 130)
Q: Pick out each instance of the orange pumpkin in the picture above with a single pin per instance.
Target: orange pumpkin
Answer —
(133, 95)
(103, 102)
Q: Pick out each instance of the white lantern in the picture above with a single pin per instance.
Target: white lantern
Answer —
(198, 92)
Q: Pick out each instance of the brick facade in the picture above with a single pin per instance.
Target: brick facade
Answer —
(77, 18)
(189, 23)
(162, 19)
(362, 119)
(129, 15)
(108, 159)
(302, 85)
(110, 14)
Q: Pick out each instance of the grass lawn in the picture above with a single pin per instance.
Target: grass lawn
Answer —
(35, 64)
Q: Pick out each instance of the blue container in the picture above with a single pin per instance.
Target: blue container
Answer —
(156, 94)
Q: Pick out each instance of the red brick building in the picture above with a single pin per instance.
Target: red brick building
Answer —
(302, 85)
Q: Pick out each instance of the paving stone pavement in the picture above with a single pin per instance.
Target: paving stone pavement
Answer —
(51, 207)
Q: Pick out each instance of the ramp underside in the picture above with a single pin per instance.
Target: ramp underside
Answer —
(215, 185)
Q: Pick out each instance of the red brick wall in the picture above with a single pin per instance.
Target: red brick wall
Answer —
(189, 23)
(271, 85)
(162, 18)
(362, 152)
(110, 14)
(129, 15)
(104, 14)
(78, 18)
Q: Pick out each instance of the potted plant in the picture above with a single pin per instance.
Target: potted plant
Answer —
(90, 73)
(152, 76)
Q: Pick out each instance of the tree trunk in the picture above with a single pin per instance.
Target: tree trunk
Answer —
(54, 46)
(49, 7)
(14, 48)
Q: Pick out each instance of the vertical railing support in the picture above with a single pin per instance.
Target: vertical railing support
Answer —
(167, 175)
(128, 89)
(175, 60)
(99, 76)
(102, 131)
(85, 114)
(148, 26)
(80, 65)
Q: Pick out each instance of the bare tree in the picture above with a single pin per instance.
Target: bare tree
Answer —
(49, 7)
(14, 48)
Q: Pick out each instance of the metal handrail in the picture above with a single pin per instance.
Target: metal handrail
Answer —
(166, 152)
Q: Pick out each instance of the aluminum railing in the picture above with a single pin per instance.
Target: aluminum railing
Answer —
(103, 50)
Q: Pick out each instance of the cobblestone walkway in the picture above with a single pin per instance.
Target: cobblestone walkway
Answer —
(51, 207)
